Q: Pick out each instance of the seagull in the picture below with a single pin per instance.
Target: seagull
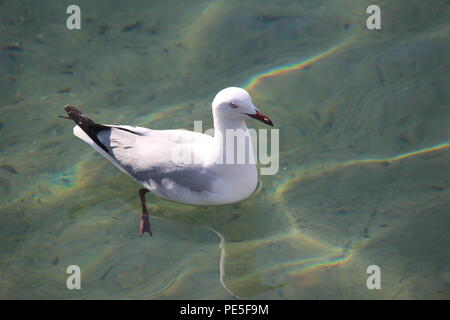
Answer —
(180, 165)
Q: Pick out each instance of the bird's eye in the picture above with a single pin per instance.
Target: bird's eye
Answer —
(232, 105)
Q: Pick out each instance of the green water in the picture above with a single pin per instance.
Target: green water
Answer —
(364, 173)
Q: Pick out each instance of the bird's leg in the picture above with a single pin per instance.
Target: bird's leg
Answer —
(145, 222)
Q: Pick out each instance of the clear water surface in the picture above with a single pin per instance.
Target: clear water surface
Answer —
(364, 173)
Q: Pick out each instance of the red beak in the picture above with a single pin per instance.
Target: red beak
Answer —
(261, 117)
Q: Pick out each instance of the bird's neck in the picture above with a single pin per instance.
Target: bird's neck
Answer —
(233, 138)
(221, 125)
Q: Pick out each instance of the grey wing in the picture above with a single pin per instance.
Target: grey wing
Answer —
(148, 159)
(196, 179)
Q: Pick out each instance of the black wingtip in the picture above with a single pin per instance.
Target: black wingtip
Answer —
(70, 108)
(87, 125)
(78, 117)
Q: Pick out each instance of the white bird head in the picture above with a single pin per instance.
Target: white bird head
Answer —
(236, 104)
